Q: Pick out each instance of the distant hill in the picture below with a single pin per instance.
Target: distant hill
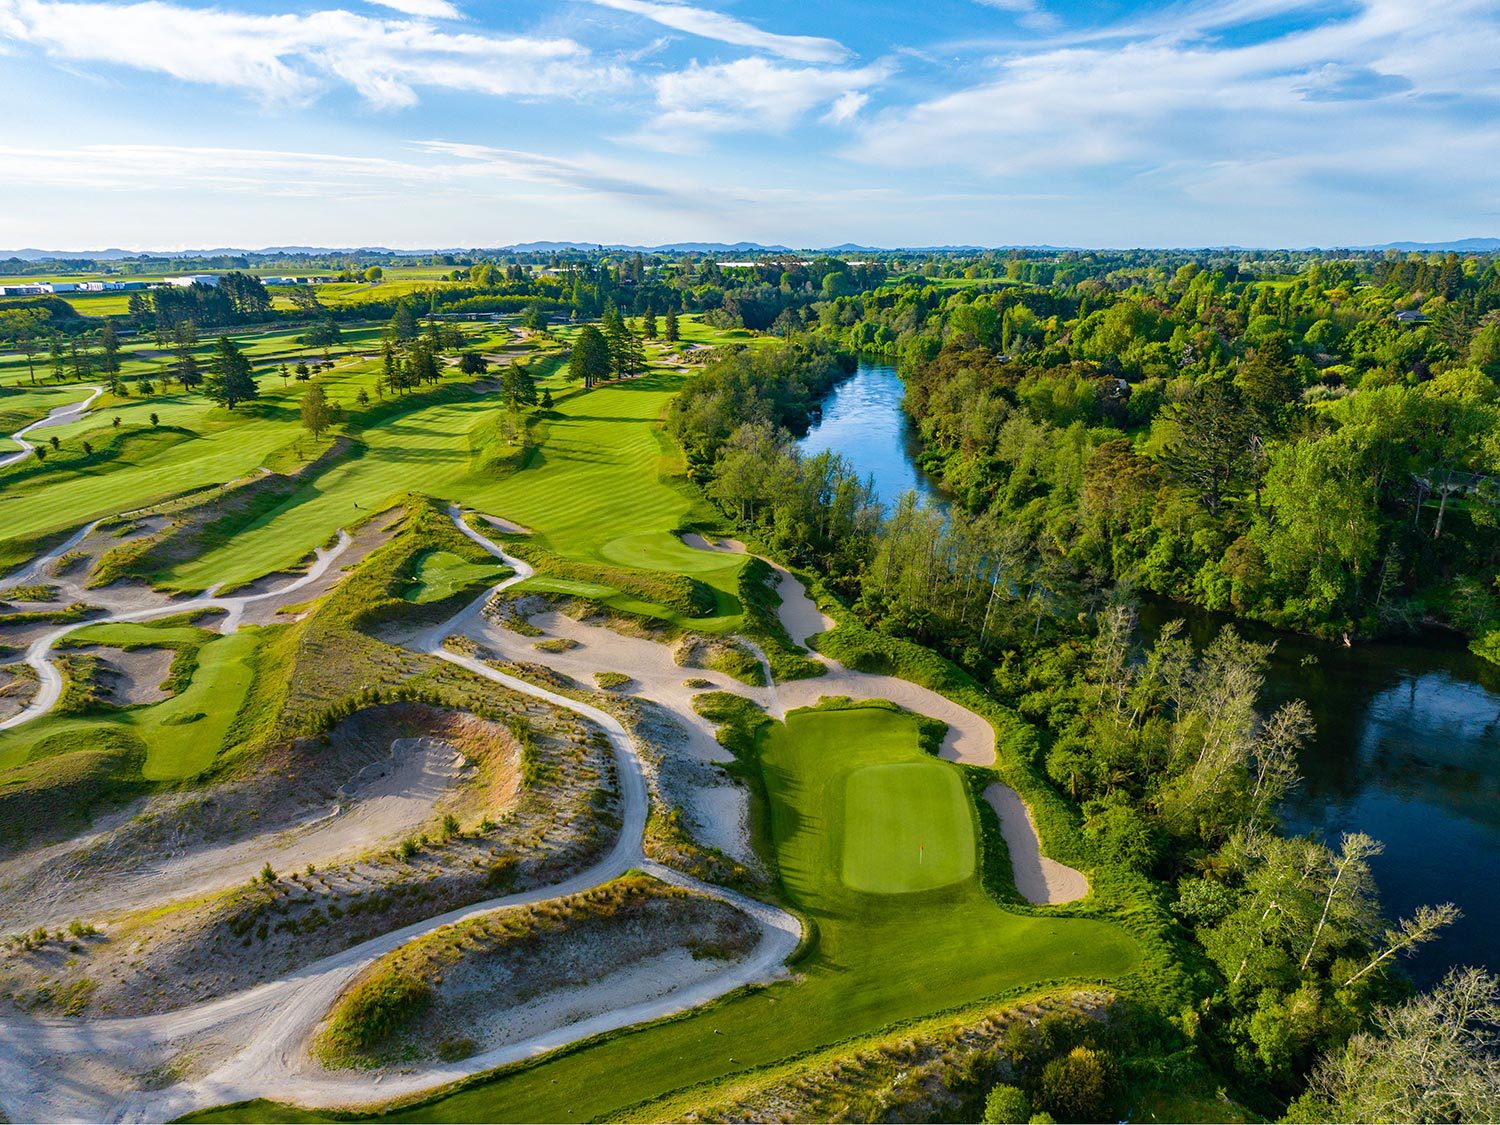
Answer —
(1462, 245)
(114, 253)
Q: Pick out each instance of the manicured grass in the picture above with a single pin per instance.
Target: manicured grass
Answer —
(28, 404)
(907, 827)
(877, 959)
(441, 574)
(592, 491)
(184, 734)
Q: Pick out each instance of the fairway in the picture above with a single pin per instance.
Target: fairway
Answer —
(907, 828)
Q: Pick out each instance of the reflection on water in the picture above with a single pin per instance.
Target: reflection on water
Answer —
(1408, 750)
(863, 420)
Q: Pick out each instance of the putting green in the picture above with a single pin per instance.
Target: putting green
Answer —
(907, 827)
(441, 574)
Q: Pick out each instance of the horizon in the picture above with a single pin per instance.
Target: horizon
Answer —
(1237, 123)
(1488, 245)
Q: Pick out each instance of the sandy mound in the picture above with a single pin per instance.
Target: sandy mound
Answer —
(125, 677)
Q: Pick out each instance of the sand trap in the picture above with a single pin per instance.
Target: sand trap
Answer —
(724, 546)
(130, 676)
(383, 802)
(1041, 881)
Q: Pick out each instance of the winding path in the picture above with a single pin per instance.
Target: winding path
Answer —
(60, 416)
(50, 680)
(274, 1021)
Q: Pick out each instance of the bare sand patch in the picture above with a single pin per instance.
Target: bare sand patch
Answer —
(127, 677)
(1041, 881)
(516, 974)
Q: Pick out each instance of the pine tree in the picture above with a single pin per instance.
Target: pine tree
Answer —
(590, 361)
(671, 326)
(231, 380)
(317, 412)
(648, 324)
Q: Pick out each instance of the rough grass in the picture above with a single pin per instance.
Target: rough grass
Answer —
(72, 774)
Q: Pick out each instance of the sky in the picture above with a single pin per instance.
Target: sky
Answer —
(171, 124)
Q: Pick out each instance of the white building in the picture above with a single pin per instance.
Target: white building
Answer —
(59, 286)
(192, 279)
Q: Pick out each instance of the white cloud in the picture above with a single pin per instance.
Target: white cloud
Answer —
(709, 24)
(1153, 104)
(1028, 13)
(846, 107)
(751, 94)
(429, 9)
(295, 57)
(436, 165)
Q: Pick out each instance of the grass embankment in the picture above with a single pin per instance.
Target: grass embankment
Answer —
(235, 695)
(416, 1000)
(873, 960)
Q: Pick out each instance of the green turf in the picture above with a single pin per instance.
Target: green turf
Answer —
(878, 958)
(28, 404)
(183, 734)
(441, 574)
(907, 827)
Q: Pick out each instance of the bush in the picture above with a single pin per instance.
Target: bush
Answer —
(1006, 1104)
(1081, 1086)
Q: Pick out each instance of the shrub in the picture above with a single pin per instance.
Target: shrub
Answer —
(1006, 1104)
(1080, 1086)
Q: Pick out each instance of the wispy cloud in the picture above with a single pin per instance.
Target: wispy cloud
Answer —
(430, 9)
(708, 24)
(295, 57)
(751, 95)
(435, 164)
(1028, 13)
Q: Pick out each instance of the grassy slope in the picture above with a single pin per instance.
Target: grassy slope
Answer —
(177, 744)
(878, 959)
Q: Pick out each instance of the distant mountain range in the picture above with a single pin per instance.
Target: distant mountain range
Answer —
(31, 254)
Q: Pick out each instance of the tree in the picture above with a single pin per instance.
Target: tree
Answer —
(27, 345)
(230, 381)
(1211, 453)
(671, 326)
(472, 363)
(374, 274)
(403, 324)
(1006, 1105)
(590, 361)
(1080, 1086)
(1435, 1057)
(518, 389)
(109, 344)
(317, 412)
(648, 324)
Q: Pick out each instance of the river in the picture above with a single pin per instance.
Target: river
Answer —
(863, 420)
(1408, 732)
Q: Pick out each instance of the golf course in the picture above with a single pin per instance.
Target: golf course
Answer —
(435, 561)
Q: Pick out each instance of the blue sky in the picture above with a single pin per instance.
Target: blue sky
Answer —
(174, 123)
